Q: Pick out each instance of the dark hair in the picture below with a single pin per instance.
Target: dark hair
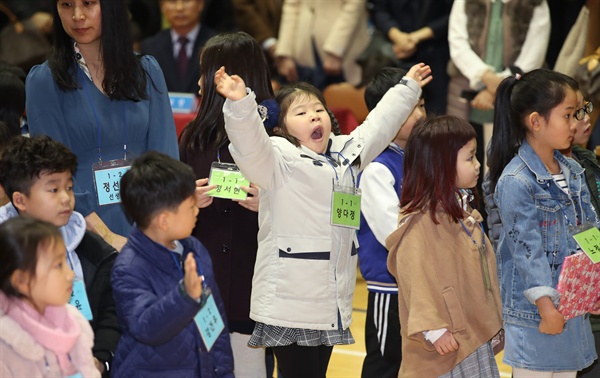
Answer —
(24, 160)
(383, 80)
(6, 135)
(287, 95)
(12, 100)
(15, 70)
(538, 91)
(155, 182)
(124, 76)
(21, 238)
(430, 165)
(241, 55)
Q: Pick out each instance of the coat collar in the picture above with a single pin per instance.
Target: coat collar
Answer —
(535, 165)
(155, 253)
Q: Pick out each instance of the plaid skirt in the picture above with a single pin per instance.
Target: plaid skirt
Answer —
(265, 335)
(480, 363)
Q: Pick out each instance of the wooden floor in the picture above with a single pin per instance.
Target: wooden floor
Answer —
(346, 361)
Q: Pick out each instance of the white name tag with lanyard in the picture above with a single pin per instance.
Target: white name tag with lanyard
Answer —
(107, 180)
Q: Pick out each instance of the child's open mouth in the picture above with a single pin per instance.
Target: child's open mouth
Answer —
(317, 133)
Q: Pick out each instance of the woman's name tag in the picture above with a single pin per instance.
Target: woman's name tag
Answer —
(107, 180)
(345, 207)
(229, 180)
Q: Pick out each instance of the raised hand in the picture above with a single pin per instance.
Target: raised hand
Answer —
(191, 281)
(231, 87)
(421, 73)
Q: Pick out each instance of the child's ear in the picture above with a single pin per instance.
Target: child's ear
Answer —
(19, 200)
(163, 220)
(534, 121)
(20, 281)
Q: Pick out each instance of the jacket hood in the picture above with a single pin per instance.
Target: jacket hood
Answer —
(72, 233)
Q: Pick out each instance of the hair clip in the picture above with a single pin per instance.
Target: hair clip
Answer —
(517, 76)
(269, 113)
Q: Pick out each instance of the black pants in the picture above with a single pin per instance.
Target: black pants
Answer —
(382, 337)
(296, 361)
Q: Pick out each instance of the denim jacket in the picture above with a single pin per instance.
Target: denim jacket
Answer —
(536, 236)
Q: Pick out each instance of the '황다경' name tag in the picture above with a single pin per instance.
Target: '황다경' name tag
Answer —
(209, 322)
(589, 241)
(80, 300)
(107, 180)
(229, 180)
(345, 207)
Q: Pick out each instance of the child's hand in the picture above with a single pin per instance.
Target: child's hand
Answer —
(552, 321)
(420, 73)
(446, 344)
(251, 201)
(202, 199)
(596, 310)
(231, 87)
(191, 280)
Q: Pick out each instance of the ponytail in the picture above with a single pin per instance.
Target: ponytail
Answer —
(505, 140)
(538, 91)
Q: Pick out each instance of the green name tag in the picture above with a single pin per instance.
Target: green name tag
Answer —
(345, 207)
(589, 241)
(229, 180)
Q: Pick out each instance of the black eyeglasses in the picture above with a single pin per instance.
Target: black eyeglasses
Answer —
(587, 108)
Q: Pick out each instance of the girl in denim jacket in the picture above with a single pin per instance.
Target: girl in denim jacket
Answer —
(542, 198)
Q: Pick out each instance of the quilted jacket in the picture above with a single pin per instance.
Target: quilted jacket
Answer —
(160, 337)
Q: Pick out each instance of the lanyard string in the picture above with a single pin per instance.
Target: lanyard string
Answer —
(333, 164)
(48, 365)
(219, 149)
(70, 262)
(350, 168)
(178, 264)
(561, 207)
(482, 257)
(87, 92)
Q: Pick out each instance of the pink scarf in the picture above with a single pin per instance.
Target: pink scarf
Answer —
(56, 330)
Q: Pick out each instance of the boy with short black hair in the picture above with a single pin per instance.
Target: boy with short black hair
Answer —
(37, 175)
(163, 279)
(381, 183)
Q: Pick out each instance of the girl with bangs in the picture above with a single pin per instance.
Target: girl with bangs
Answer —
(448, 294)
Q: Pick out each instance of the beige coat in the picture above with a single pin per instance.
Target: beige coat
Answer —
(441, 285)
(338, 27)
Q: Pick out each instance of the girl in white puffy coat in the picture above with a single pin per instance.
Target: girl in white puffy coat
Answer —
(305, 270)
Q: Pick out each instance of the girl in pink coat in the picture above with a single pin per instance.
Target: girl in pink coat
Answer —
(40, 334)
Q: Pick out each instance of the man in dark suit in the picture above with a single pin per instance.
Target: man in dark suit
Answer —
(177, 49)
